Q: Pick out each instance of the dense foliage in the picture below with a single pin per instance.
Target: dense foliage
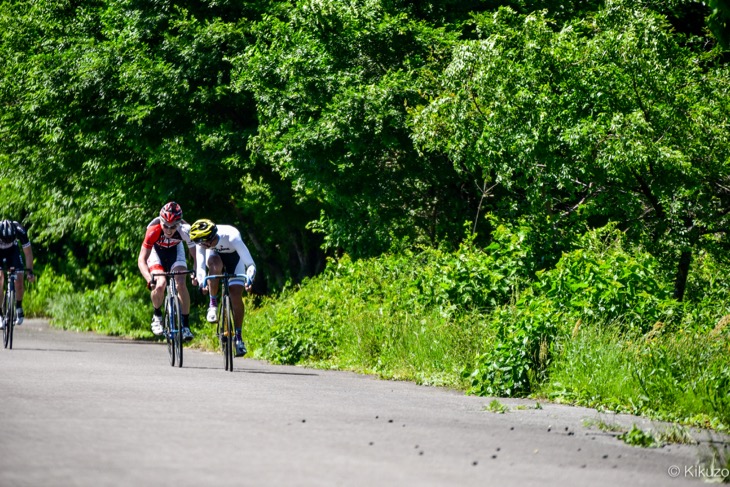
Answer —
(507, 196)
(327, 126)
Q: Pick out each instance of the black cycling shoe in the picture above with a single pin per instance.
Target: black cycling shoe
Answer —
(240, 348)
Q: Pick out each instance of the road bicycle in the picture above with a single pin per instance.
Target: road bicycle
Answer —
(224, 330)
(8, 306)
(172, 320)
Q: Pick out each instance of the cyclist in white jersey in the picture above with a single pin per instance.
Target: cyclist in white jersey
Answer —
(220, 248)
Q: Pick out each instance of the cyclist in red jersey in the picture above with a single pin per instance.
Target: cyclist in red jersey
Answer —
(163, 251)
(12, 233)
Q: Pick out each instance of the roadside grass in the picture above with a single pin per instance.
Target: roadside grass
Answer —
(680, 377)
(369, 337)
(598, 329)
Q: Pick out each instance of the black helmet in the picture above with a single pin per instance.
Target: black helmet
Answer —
(8, 234)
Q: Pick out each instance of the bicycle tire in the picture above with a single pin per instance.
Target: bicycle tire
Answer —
(13, 315)
(6, 318)
(168, 331)
(227, 327)
(9, 318)
(177, 334)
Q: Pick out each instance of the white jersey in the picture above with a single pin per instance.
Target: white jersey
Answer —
(229, 241)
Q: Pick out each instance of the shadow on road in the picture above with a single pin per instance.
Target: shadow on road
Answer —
(254, 371)
(17, 349)
(271, 372)
(123, 341)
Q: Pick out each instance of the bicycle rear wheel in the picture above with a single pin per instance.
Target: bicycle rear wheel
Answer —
(9, 317)
(177, 333)
(226, 326)
(169, 329)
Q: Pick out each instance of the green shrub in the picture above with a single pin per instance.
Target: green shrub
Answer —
(120, 308)
(39, 295)
(519, 357)
(605, 281)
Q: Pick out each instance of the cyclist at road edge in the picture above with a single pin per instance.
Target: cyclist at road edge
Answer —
(12, 233)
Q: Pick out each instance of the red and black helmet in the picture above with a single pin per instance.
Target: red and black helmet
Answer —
(171, 213)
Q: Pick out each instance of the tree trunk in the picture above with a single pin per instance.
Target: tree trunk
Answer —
(680, 283)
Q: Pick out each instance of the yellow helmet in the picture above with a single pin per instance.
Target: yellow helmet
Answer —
(203, 231)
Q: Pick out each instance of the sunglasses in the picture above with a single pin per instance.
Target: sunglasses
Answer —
(170, 227)
(205, 242)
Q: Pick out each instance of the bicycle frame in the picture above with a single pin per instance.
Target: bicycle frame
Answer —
(224, 329)
(173, 317)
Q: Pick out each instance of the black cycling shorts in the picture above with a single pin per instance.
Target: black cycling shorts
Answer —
(12, 258)
(230, 261)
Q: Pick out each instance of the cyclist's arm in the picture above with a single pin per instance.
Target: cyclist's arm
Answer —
(152, 234)
(199, 261)
(28, 251)
(144, 254)
(245, 256)
(193, 255)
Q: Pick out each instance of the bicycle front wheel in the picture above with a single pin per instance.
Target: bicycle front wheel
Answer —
(177, 333)
(226, 327)
(169, 330)
(9, 317)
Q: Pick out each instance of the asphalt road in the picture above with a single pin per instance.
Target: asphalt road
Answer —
(79, 409)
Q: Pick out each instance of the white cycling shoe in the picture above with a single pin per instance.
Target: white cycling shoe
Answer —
(212, 315)
(2, 322)
(157, 325)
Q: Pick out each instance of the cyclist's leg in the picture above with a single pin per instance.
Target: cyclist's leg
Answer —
(16, 260)
(182, 288)
(156, 264)
(19, 285)
(4, 256)
(236, 292)
(160, 260)
(233, 265)
(182, 292)
(9, 257)
(215, 266)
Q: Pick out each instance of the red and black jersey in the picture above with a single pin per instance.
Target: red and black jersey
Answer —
(155, 237)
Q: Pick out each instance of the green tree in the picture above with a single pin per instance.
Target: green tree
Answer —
(114, 107)
(719, 21)
(609, 118)
(333, 81)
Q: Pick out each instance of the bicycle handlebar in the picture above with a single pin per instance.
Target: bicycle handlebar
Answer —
(155, 275)
(225, 276)
(171, 273)
(15, 271)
